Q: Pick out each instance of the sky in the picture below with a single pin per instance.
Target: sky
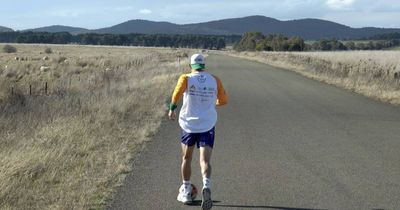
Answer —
(94, 14)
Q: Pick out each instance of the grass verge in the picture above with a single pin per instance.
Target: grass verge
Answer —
(375, 74)
(71, 121)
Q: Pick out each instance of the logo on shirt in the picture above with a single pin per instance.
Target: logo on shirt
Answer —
(201, 79)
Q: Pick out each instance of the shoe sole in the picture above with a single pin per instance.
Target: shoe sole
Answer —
(207, 203)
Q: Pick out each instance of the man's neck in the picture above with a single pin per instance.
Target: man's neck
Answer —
(197, 71)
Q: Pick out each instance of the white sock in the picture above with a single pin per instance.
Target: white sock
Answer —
(187, 185)
(206, 182)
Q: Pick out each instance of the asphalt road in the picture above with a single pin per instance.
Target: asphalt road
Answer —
(282, 142)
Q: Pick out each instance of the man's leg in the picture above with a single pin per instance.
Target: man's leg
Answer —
(186, 167)
(205, 156)
(185, 190)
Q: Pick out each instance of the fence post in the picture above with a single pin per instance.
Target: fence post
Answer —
(30, 89)
(12, 90)
(45, 88)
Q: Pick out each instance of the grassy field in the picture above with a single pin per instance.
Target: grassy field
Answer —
(71, 121)
(371, 73)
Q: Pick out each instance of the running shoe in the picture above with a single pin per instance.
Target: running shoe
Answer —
(184, 194)
(207, 203)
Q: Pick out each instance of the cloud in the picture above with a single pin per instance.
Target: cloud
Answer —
(340, 4)
(145, 11)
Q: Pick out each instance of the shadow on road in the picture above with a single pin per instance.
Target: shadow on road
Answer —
(260, 207)
(215, 203)
(198, 203)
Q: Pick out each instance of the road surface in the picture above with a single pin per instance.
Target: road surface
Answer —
(282, 142)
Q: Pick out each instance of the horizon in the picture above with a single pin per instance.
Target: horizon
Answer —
(186, 23)
(74, 13)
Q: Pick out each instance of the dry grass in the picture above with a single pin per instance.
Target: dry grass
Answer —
(371, 73)
(69, 148)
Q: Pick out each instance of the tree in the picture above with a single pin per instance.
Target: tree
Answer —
(158, 40)
(350, 45)
(296, 44)
(272, 42)
(249, 41)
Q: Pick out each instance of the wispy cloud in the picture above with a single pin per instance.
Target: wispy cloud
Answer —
(145, 11)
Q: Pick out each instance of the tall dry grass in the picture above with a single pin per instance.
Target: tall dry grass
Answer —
(375, 74)
(69, 148)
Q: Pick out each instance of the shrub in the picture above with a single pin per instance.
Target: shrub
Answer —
(48, 50)
(182, 55)
(9, 49)
(59, 59)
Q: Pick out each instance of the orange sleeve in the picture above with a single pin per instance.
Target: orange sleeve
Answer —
(222, 97)
(179, 90)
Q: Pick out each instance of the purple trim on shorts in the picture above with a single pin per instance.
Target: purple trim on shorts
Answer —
(200, 139)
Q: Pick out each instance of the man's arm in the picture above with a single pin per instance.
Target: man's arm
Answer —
(222, 97)
(178, 92)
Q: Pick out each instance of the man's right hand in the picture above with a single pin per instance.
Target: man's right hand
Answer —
(172, 115)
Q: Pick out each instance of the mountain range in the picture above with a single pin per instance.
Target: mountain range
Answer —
(310, 29)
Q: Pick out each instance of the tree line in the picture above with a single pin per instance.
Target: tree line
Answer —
(148, 40)
(335, 45)
(388, 36)
(256, 41)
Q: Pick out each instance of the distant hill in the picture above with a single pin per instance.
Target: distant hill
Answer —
(5, 29)
(240, 25)
(310, 29)
(306, 28)
(152, 27)
(60, 28)
(141, 26)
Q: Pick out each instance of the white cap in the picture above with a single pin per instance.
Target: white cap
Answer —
(197, 59)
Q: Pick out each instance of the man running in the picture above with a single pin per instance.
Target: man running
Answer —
(201, 93)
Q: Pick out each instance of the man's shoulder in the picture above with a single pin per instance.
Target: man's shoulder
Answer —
(184, 76)
(216, 78)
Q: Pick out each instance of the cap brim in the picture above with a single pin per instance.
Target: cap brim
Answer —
(198, 66)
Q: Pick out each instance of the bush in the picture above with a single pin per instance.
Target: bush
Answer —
(182, 55)
(60, 59)
(48, 50)
(9, 49)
